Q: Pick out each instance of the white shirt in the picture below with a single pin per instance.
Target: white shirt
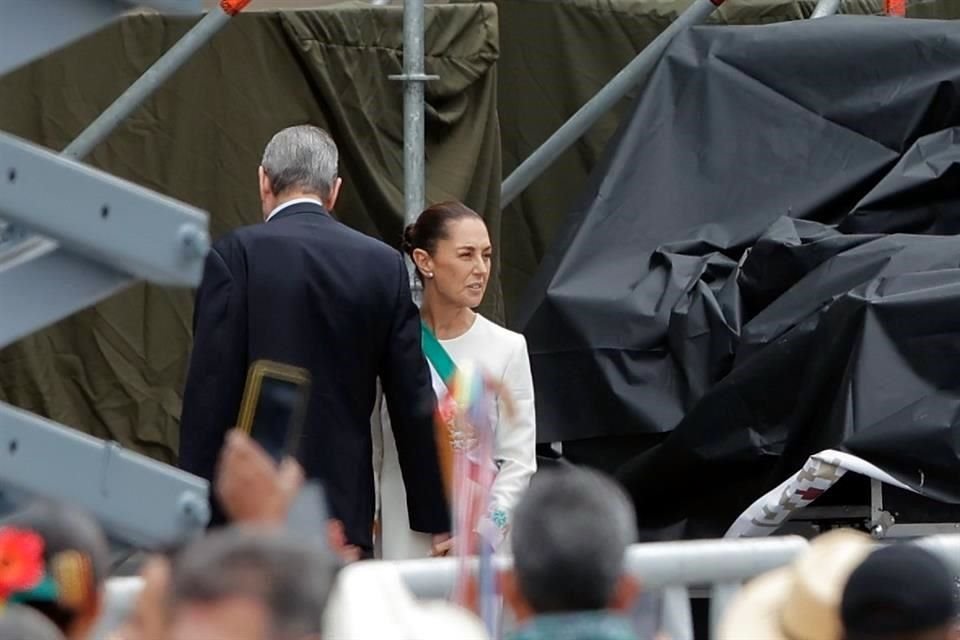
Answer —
(290, 203)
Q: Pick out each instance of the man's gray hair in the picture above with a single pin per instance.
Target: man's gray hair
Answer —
(302, 158)
(570, 534)
(291, 576)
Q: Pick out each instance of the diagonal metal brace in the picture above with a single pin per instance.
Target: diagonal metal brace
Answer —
(138, 500)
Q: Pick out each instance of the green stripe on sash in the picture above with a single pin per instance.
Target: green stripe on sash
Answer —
(437, 355)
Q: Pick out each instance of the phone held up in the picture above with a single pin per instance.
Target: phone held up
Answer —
(274, 407)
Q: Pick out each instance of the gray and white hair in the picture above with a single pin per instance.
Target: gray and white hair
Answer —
(569, 536)
(303, 157)
(290, 575)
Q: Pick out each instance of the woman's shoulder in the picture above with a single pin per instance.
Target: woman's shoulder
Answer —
(493, 331)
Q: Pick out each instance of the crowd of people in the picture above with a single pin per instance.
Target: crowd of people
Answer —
(264, 578)
(378, 439)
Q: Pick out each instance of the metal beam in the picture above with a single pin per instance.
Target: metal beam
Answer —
(101, 217)
(138, 500)
(618, 87)
(41, 290)
(659, 564)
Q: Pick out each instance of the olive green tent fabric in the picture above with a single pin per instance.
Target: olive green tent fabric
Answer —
(554, 56)
(117, 370)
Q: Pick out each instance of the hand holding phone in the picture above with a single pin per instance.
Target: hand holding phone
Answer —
(250, 485)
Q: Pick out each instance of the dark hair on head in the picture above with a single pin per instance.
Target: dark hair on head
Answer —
(431, 226)
(65, 529)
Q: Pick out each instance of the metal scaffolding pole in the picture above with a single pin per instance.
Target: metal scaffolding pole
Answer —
(621, 84)
(413, 78)
(199, 35)
(825, 8)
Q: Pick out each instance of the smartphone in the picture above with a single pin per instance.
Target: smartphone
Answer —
(275, 406)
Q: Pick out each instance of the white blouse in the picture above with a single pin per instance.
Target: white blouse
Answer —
(503, 355)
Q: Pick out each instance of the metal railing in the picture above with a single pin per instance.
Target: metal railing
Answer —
(720, 565)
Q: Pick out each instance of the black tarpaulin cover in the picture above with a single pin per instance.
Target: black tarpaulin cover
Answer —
(764, 265)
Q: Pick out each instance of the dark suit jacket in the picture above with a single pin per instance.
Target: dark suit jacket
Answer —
(306, 290)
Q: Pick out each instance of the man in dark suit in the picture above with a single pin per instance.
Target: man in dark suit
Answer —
(306, 290)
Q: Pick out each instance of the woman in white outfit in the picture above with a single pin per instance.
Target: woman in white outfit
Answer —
(450, 247)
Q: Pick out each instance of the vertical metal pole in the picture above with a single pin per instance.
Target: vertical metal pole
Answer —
(156, 75)
(413, 78)
(720, 597)
(621, 84)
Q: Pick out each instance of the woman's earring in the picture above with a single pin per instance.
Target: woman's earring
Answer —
(430, 274)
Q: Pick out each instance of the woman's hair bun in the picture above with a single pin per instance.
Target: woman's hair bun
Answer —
(408, 243)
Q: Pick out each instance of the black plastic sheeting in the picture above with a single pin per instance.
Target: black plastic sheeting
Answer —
(764, 266)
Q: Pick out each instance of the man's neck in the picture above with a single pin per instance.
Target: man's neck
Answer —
(285, 199)
(446, 321)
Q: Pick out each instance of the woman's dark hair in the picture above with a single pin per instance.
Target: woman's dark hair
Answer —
(431, 226)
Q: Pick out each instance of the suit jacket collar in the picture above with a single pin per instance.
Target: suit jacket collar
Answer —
(298, 208)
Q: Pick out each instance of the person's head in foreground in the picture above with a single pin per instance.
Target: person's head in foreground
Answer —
(62, 559)
(250, 584)
(802, 600)
(570, 535)
(900, 592)
(299, 162)
(18, 622)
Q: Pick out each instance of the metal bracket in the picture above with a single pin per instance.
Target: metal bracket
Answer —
(413, 77)
(880, 520)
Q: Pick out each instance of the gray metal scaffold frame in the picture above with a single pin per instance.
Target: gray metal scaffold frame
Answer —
(95, 235)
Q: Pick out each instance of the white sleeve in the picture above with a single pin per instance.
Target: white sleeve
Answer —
(515, 439)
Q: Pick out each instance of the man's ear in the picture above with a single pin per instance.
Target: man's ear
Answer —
(625, 593)
(265, 185)
(331, 200)
(512, 595)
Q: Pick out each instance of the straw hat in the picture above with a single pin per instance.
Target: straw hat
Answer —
(800, 601)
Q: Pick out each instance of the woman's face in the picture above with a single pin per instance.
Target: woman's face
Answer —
(461, 262)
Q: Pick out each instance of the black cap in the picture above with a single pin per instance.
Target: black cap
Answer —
(900, 588)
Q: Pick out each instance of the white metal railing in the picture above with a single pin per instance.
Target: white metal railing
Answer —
(721, 565)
